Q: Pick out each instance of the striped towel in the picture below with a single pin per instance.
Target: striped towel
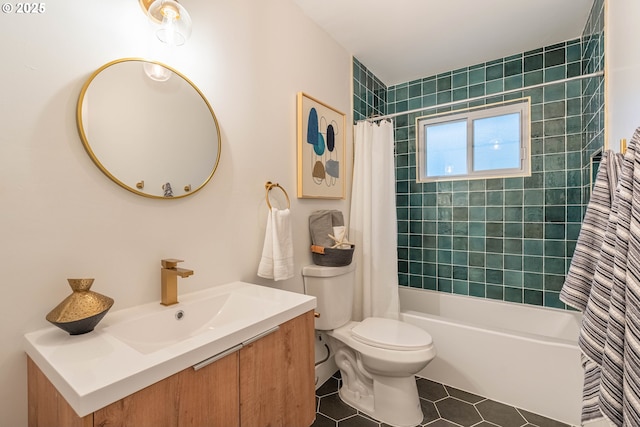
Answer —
(620, 376)
(581, 290)
(610, 334)
(596, 319)
(577, 286)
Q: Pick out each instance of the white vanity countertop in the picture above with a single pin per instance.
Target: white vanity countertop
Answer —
(96, 369)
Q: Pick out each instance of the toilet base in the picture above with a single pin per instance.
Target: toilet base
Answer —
(394, 401)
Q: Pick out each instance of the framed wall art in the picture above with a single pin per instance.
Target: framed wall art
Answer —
(321, 150)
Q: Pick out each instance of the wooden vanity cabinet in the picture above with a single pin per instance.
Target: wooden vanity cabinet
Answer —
(207, 397)
(277, 377)
(47, 407)
(269, 382)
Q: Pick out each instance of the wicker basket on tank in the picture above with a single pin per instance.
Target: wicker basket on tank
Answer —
(332, 257)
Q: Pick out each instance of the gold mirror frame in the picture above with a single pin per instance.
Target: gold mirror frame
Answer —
(139, 186)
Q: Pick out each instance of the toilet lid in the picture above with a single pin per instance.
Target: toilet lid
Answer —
(391, 334)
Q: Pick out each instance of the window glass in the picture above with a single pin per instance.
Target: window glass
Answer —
(490, 141)
(446, 149)
(496, 142)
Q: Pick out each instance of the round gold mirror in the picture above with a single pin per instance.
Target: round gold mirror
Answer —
(148, 128)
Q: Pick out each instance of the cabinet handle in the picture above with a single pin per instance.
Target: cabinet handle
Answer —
(262, 335)
(216, 357)
(222, 354)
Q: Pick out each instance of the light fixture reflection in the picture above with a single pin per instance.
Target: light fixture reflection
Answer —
(170, 20)
(156, 72)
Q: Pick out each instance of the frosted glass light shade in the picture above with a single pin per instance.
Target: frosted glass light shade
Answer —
(170, 21)
(157, 72)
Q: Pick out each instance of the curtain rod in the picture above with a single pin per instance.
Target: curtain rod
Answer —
(446, 104)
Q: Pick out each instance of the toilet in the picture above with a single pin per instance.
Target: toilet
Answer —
(377, 357)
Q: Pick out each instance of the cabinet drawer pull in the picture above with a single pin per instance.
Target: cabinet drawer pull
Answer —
(216, 357)
(257, 337)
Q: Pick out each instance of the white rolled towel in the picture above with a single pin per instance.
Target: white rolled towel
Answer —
(339, 235)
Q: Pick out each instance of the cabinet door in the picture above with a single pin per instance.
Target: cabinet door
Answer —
(299, 371)
(47, 407)
(277, 377)
(204, 398)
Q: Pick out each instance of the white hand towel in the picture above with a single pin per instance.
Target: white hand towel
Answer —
(277, 253)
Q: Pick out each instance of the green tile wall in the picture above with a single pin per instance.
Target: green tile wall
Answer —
(593, 90)
(369, 93)
(508, 239)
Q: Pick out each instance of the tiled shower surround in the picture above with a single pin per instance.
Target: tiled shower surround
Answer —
(508, 239)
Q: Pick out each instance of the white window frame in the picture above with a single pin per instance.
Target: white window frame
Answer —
(521, 106)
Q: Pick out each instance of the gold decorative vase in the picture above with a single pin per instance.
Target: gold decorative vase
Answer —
(81, 311)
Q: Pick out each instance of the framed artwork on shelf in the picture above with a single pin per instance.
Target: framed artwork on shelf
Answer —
(321, 150)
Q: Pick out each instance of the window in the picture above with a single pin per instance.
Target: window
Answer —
(485, 142)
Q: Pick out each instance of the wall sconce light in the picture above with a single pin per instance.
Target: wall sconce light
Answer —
(170, 20)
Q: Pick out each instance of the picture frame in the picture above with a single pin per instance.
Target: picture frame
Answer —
(321, 149)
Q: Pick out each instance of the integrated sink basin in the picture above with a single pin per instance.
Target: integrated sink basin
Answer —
(166, 326)
(135, 347)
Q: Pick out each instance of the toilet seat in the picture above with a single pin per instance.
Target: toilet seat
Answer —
(391, 334)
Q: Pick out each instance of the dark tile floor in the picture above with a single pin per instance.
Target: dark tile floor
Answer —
(442, 406)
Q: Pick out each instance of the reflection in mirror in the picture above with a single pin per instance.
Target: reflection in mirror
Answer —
(148, 128)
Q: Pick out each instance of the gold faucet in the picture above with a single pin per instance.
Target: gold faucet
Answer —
(169, 280)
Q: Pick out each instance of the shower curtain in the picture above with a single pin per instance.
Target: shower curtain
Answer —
(372, 223)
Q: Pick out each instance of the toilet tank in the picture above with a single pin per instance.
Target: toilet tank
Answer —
(333, 288)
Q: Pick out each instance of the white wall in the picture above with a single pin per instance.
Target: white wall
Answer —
(60, 217)
(622, 56)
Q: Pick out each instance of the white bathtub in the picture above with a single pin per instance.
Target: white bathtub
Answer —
(517, 354)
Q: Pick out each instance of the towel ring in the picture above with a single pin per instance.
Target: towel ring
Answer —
(269, 185)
